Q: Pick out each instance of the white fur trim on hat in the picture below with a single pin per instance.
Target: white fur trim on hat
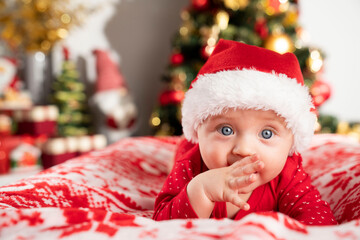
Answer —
(213, 93)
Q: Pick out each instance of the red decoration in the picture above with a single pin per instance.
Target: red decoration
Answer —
(171, 97)
(112, 123)
(200, 4)
(177, 59)
(48, 128)
(261, 28)
(49, 160)
(66, 53)
(320, 92)
(109, 76)
(274, 5)
(112, 98)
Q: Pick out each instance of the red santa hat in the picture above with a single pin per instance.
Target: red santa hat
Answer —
(242, 76)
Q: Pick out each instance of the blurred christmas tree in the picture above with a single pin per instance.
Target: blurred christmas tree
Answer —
(272, 24)
(69, 96)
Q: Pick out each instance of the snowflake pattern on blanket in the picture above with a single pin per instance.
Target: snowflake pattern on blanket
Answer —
(110, 194)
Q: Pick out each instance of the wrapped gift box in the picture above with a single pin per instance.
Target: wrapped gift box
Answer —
(59, 150)
(38, 120)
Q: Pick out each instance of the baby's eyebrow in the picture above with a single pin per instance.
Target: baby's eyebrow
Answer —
(276, 120)
(222, 117)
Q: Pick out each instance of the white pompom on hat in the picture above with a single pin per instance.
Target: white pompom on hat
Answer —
(242, 76)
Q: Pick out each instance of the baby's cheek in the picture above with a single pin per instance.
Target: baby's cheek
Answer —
(213, 160)
(269, 173)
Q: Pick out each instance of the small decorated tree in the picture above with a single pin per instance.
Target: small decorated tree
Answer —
(69, 96)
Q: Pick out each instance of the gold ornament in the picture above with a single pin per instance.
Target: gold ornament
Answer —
(155, 119)
(236, 4)
(291, 17)
(355, 135)
(343, 127)
(315, 61)
(280, 43)
(350, 130)
(36, 25)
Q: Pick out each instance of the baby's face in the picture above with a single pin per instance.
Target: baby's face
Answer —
(229, 137)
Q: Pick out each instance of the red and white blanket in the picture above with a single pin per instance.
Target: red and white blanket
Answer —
(110, 194)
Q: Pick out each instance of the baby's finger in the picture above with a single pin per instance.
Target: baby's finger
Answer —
(237, 201)
(243, 181)
(245, 161)
(249, 168)
(249, 188)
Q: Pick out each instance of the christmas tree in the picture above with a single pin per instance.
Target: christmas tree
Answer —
(69, 96)
(272, 24)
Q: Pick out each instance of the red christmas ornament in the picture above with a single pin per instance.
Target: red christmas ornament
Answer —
(171, 97)
(200, 4)
(261, 28)
(274, 5)
(177, 59)
(320, 92)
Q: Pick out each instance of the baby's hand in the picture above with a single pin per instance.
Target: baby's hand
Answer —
(226, 184)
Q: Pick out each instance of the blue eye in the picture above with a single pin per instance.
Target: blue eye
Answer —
(267, 134)
(226, 131)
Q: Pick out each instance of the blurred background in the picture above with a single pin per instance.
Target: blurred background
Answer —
(78, 75)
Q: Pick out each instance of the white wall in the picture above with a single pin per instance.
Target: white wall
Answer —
(139, 34)
(334, 26)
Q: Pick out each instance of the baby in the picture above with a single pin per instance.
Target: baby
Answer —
(246, 118)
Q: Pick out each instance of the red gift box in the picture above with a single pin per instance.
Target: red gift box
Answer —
(49, 160)
(48, 128)
(59, 150)
(38, 120)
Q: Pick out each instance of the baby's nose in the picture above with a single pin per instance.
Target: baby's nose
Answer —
(243, 147)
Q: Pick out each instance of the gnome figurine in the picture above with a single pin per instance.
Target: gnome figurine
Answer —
(114, 106)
